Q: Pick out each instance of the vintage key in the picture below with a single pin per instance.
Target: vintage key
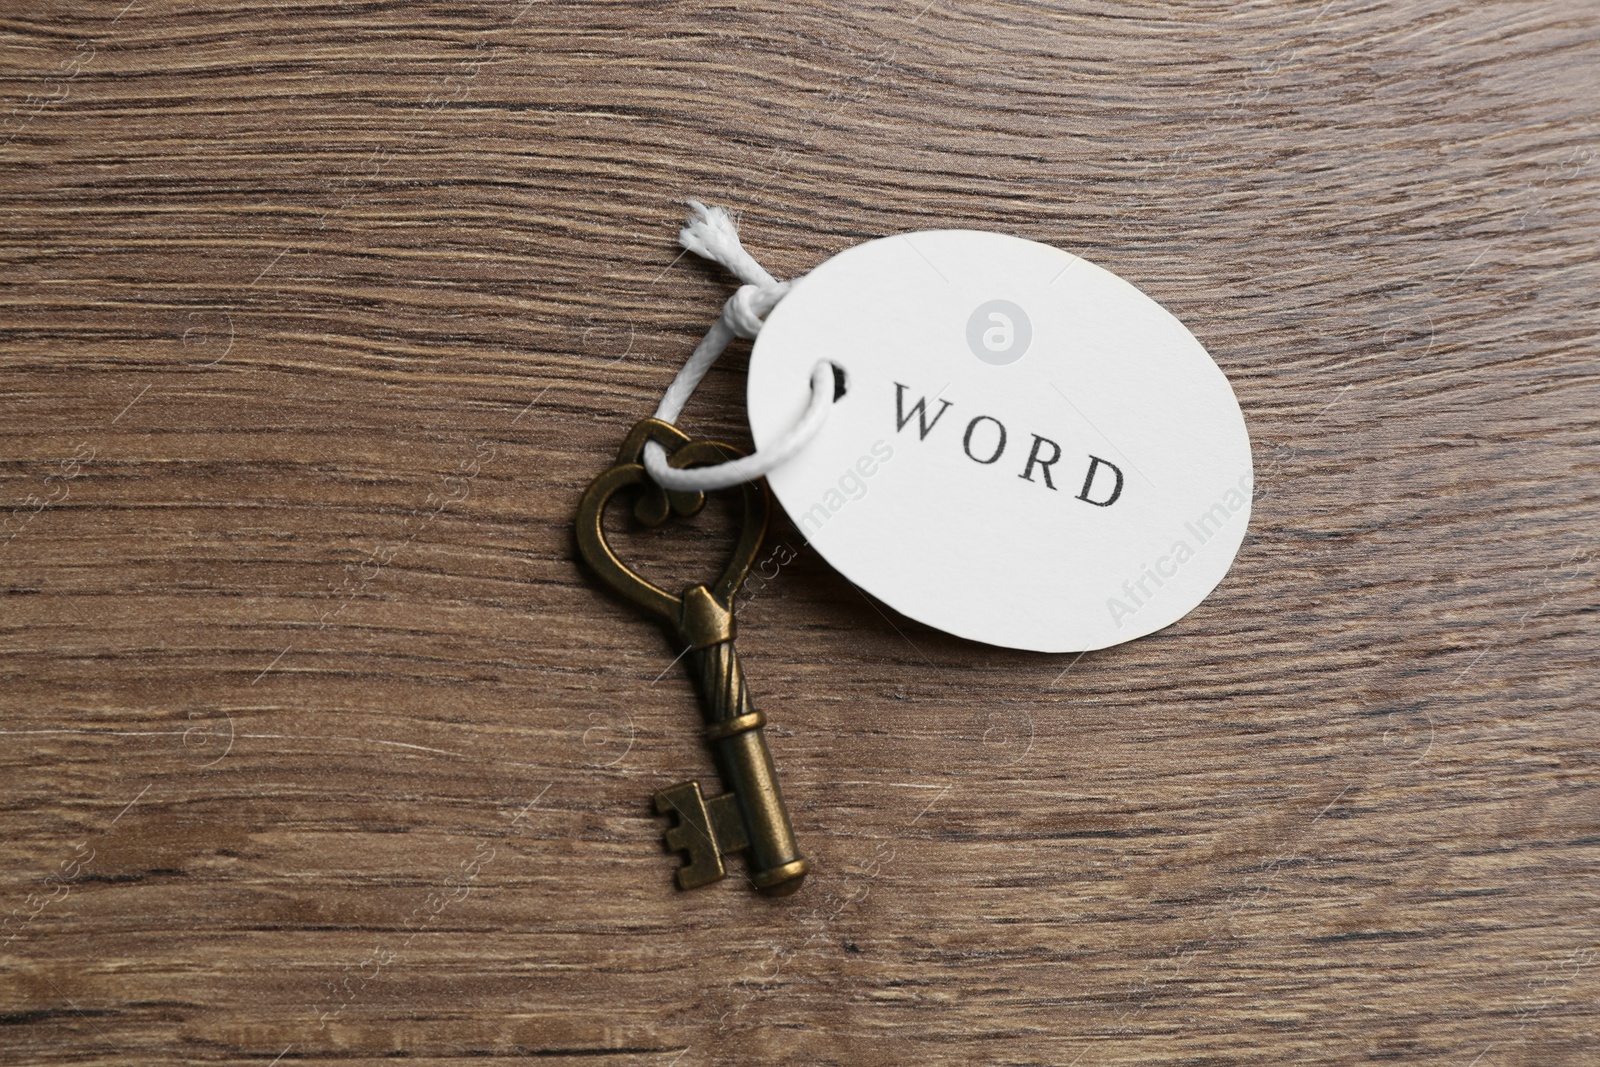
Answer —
(750, 816)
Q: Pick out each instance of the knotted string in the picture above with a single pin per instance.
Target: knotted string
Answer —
(710, 233)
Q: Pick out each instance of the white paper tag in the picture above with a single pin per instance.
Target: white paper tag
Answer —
(1031, 452)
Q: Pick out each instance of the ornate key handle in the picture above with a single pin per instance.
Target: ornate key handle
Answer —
(750, 815)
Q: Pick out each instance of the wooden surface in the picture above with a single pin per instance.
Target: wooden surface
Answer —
(319, 745)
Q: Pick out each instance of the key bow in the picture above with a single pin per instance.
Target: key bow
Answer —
(653, 507)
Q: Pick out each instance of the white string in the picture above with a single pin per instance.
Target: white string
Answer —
(711, 233)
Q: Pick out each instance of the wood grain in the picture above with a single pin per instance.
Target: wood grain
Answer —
(319, 747)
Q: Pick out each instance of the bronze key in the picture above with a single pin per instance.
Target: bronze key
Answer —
(750, 815)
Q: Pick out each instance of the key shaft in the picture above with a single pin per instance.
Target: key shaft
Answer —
(734, 730)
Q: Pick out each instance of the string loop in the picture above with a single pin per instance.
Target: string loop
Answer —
(711, 233)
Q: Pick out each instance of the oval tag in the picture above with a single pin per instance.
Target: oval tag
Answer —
(1030, 452)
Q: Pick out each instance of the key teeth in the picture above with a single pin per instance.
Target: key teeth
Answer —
(692, 835)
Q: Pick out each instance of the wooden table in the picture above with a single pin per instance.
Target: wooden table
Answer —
(320, 747)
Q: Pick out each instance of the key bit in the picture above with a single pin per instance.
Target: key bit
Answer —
(706, 831)
(750, 817)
